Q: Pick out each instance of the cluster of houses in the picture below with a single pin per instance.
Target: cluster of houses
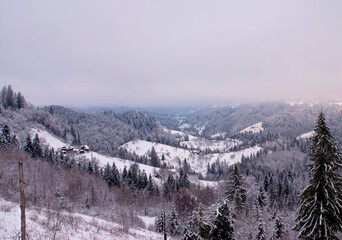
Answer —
(72, 150)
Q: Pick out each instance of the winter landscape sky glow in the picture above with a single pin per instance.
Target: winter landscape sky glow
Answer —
(111, 53)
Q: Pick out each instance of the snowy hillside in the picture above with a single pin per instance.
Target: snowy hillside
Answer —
(199, 143)
(198, 161)
(45, 224)
(47, 139)
(102, 161)
(255, 128)
(173, 156)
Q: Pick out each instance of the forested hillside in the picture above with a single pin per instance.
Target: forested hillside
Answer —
(227, 172)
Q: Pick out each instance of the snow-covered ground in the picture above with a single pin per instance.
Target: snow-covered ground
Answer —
(216, 135)
(102, 161)
(44, 224)
(47, 138)
(199, 129)
(185, 126)
(203, 144)
(149, 221)
(255, 128)
(180, 134)
(173, 156)
(307, 135)
(198, 161)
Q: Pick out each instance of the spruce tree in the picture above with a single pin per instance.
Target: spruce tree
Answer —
(4, 96)
(223, 223)
(28, 145)
(235, 192)
(160, 223)
(155, 162)
(37, 151)
(320, 213)
(279, 228)
(6, 137)
(115, 176)
(10, 100)
(173, 223)
(20, 101)
(261, 234)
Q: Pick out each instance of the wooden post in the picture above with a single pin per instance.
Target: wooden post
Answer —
(22, 201)
(164, 227)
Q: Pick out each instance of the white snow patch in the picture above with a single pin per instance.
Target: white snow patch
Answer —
(255, 128)
(184, 126)
(149, 221)
(199, 129)
(47, 138)
(307, 135)
(180, 134)
(214, 145)
(216, 135)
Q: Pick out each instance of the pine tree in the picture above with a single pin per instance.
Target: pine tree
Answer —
(106, 175)
(6, 137)
(261, 198)
(279, 228)
(223, 223)
(10, 100)
(150, 187)
(235, 191)
(173, 224)
(28, 145)
(37, 150)
(155, 162)
(261, 234)
(160, 224)
(115, 176)
(20, 101)
(4, 96)
(320, 213)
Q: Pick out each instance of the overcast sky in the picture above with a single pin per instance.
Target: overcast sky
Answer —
(143, 53)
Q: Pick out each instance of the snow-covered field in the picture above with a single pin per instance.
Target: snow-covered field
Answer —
(202, 144)
(307, 135)
(214, 145)
(198, 161)
(49, 224)
(255, 128)
(47, 138)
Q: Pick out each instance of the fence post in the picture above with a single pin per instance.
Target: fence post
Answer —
(22, 201)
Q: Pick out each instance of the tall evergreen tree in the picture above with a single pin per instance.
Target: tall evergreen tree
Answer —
(320, 213)
(173, 223)
(37, 151)
(223, 223)
(155, 162)
(115, 176)
(279, 228)
(20, 101)
(10, 100)
(261, 234)
(235, 191)
(28, 145)
(6, 137)
(4, 96)
(160, 223)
